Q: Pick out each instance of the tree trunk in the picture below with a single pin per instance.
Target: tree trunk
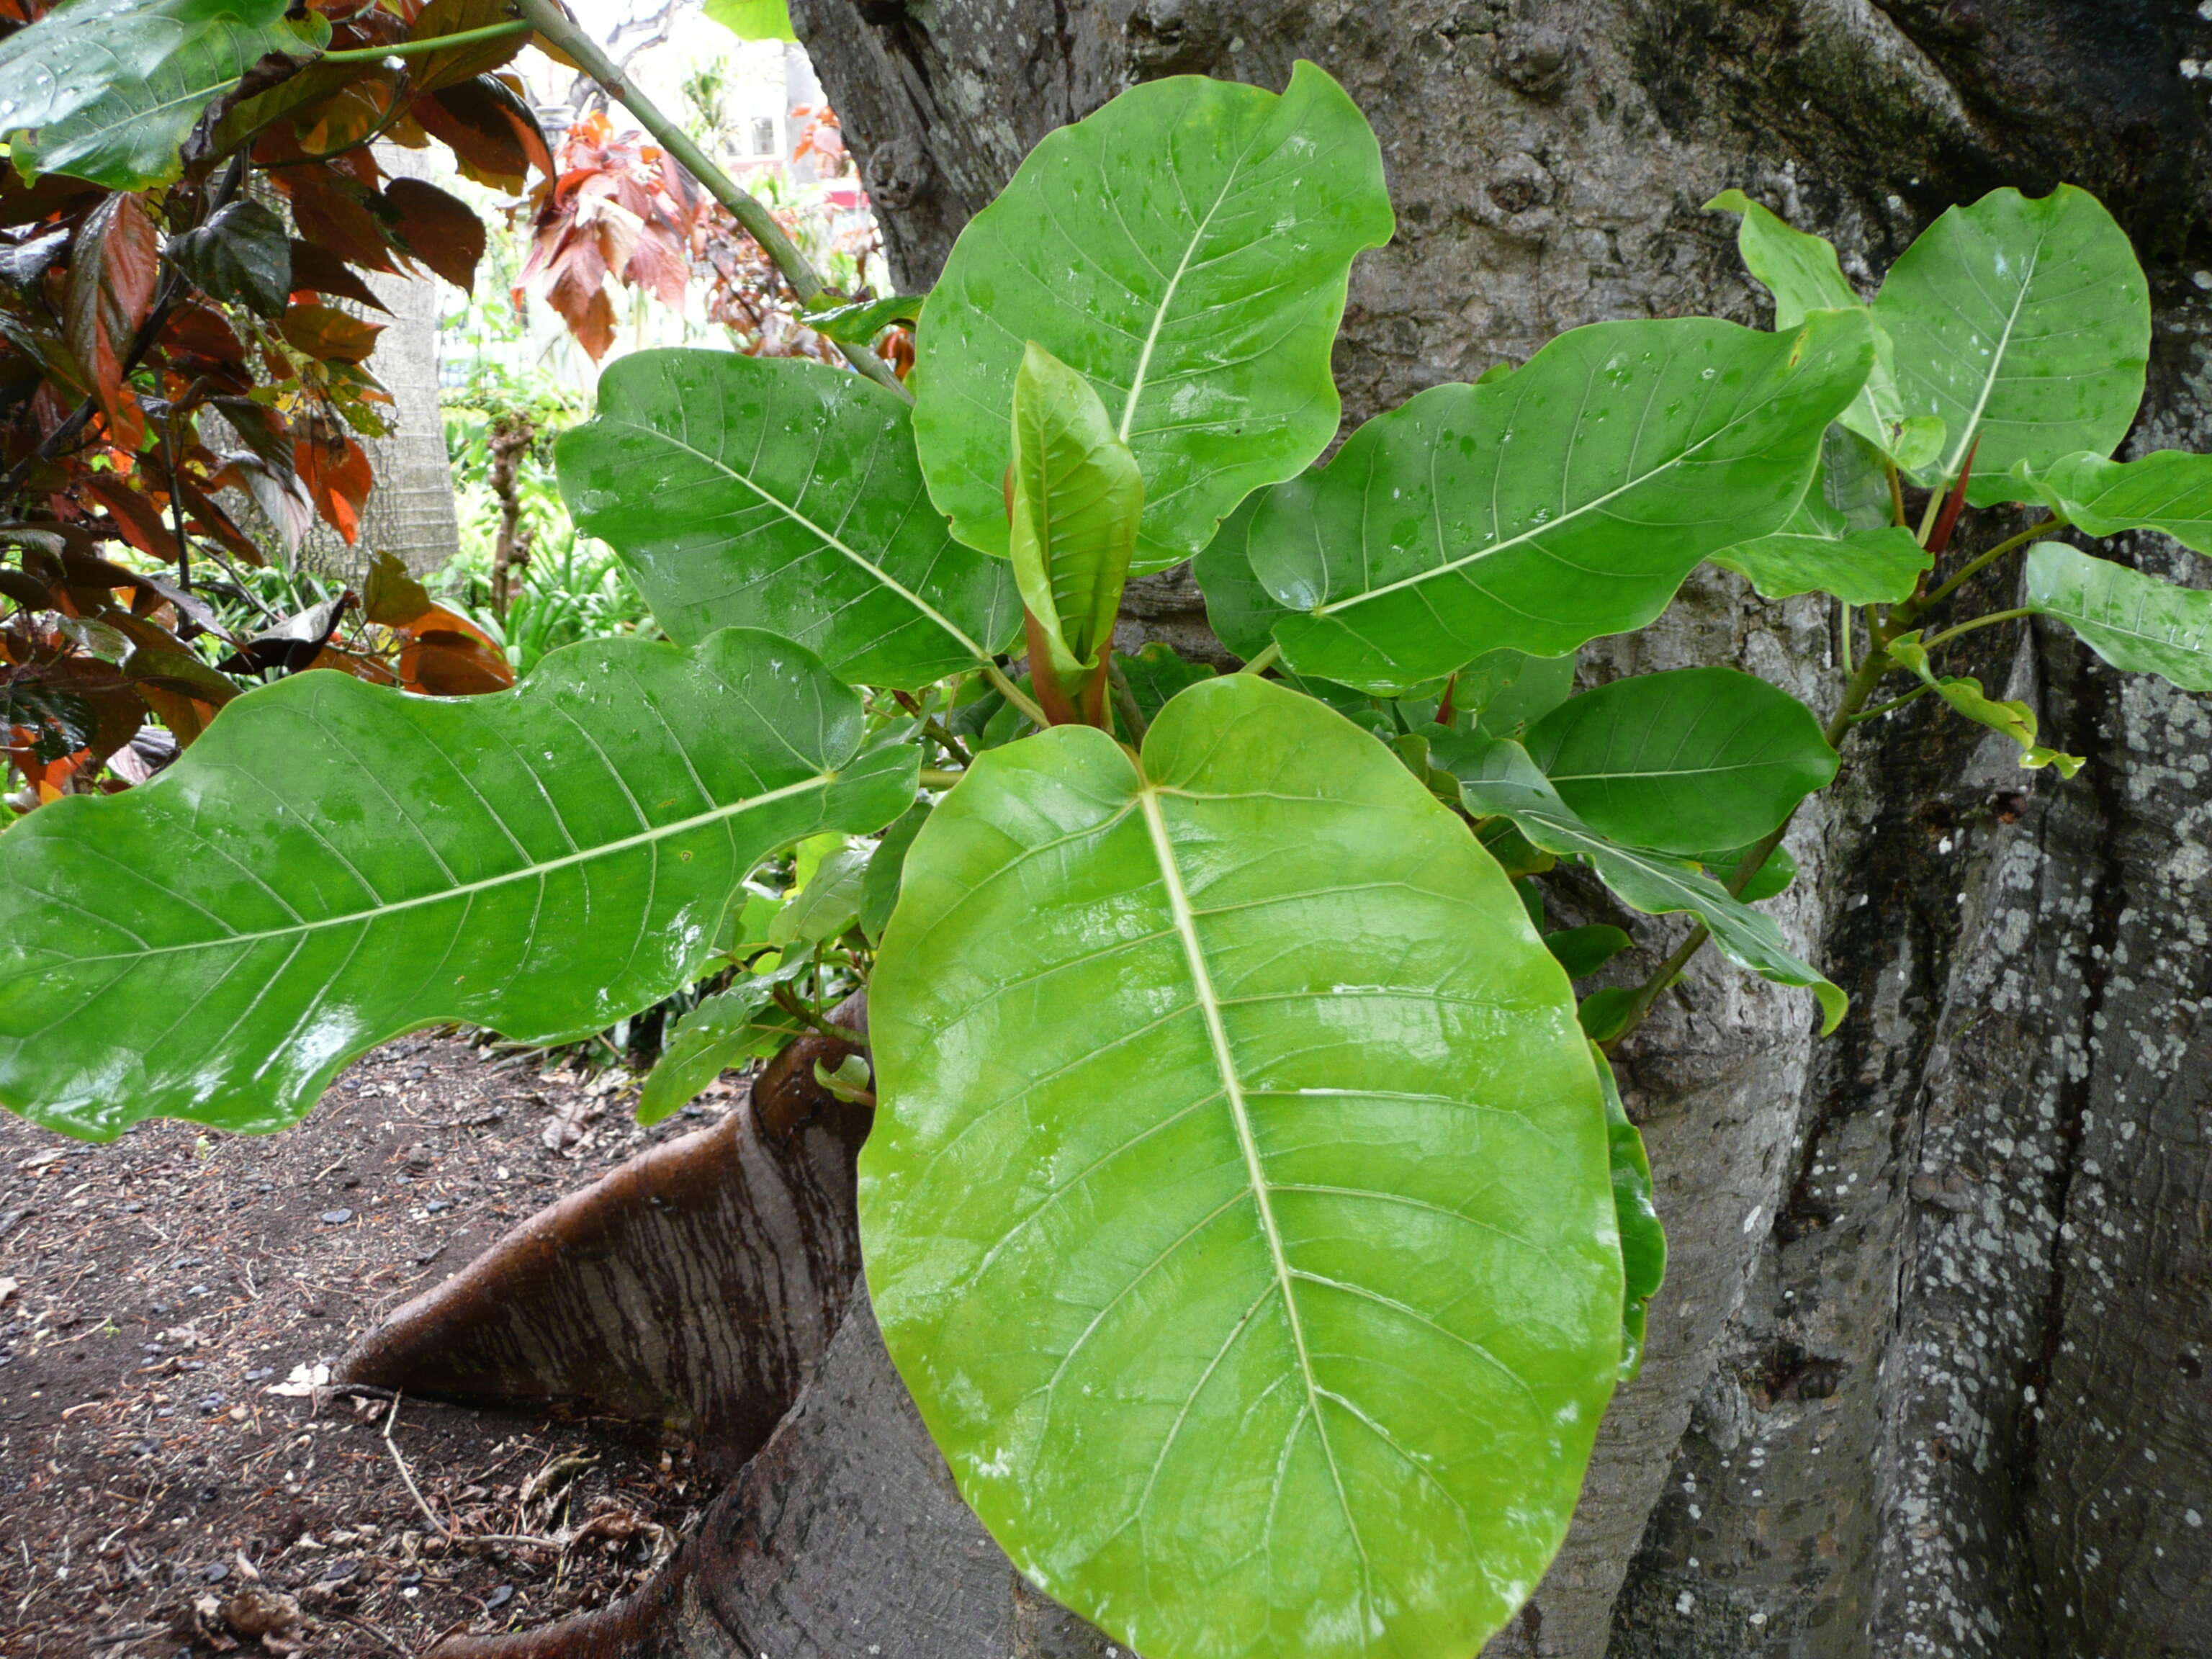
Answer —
(1927, 1377)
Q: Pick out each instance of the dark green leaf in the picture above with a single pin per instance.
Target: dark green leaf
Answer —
(725, 1030)
(109, 89)
(879, 891)
(2023, 326)
(1584, 951)
(1604, 1014)
(1694, 758)
(2132, 621)
(334, 863)
(1772, 877)
(1643, 1240)
(774, 493)
(1185, 250)
(1156, 674)
(243, 253)
(1497, 777)
(1238, 1207)
(1566, 501)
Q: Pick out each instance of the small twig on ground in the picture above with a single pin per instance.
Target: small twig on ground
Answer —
(413, 1491)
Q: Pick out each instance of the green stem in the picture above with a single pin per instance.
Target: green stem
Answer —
(1984, 561)
(1014, 693)
(433, 43)
(1125, 700)
(1896, 493)
(1990, 621)
(548, 19)
(1264, 661)
(932, 778)
(1892, 704)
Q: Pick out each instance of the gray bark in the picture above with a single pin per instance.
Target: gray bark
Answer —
(1927, 1376)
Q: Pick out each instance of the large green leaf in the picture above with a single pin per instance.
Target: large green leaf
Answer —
(2132, 621)
(754, 19)
(780, 494)
(1566, 500)
(334, 863)
(1496, 778)
(1800, 270)
(1186, 250)
(1679, 762)
(2025, 325)
(1077, 498)
(2170, 490)
(2009, 716)
(1862, 566)
(108, 90)
(1237, 1209)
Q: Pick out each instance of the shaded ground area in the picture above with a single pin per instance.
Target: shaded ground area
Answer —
(157, 1498)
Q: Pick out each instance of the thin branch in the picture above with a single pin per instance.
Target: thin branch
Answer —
(1125, 700)
(400, 1463)
(550, 21)
(1013, 694)
(1981, 561)
(434, 43)
(1893, 705)
(1990, 621)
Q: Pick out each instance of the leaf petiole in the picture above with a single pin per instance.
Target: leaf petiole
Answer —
(432, 43)
(1981, 561)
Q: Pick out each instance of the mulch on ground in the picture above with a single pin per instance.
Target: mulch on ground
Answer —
(169, 1482)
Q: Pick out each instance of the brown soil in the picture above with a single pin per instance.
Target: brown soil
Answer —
(157, 1498)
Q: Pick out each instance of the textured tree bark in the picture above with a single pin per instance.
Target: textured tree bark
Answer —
(1927, 1377)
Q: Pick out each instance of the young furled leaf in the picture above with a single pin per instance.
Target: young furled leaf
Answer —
(1077, 498)
(775, 493)
(1566, 501)
(2132, 621)
(2169, 491)
(334, 863)
(2024, 325)
(1186, 250)
(108, 90)
(1496, 778)
(1240, 1178)
(1696, 757)
(1965, 695)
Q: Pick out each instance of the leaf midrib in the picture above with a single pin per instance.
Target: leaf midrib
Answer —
(1209, 1004)
(828, 537)
(538, 870)
(1334, 606)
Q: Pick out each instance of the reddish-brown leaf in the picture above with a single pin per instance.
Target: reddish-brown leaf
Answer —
(334, 212)
(446, 663)
(338, 480)
(110, 291)
(328, 334)
(318, 270)
(490, 130)
(445, 68)
(208, 513)
(139, 519)
(443, 233)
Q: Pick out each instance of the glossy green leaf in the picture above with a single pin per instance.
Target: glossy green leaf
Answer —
(2015, 720)
(725, 1030)
(109, 90)
(1185, 250)
(1077, 499)
(1584, 951)
(1772, 877)
(2132, 621)
(1237, 1208)
(858, 324)
(1563, 502)
(2170, 490)
(782, 493)
(1694, 758)
(1643, 1240)
(879, 891)
(1865, 567)
(1241, 613)
(1157, 673)
(1497, 777)
(1607, 1013)
(1504, 691)
(826, 905)
(243, 253)
(335, 863)
(2023, 326)
(1801, 271)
